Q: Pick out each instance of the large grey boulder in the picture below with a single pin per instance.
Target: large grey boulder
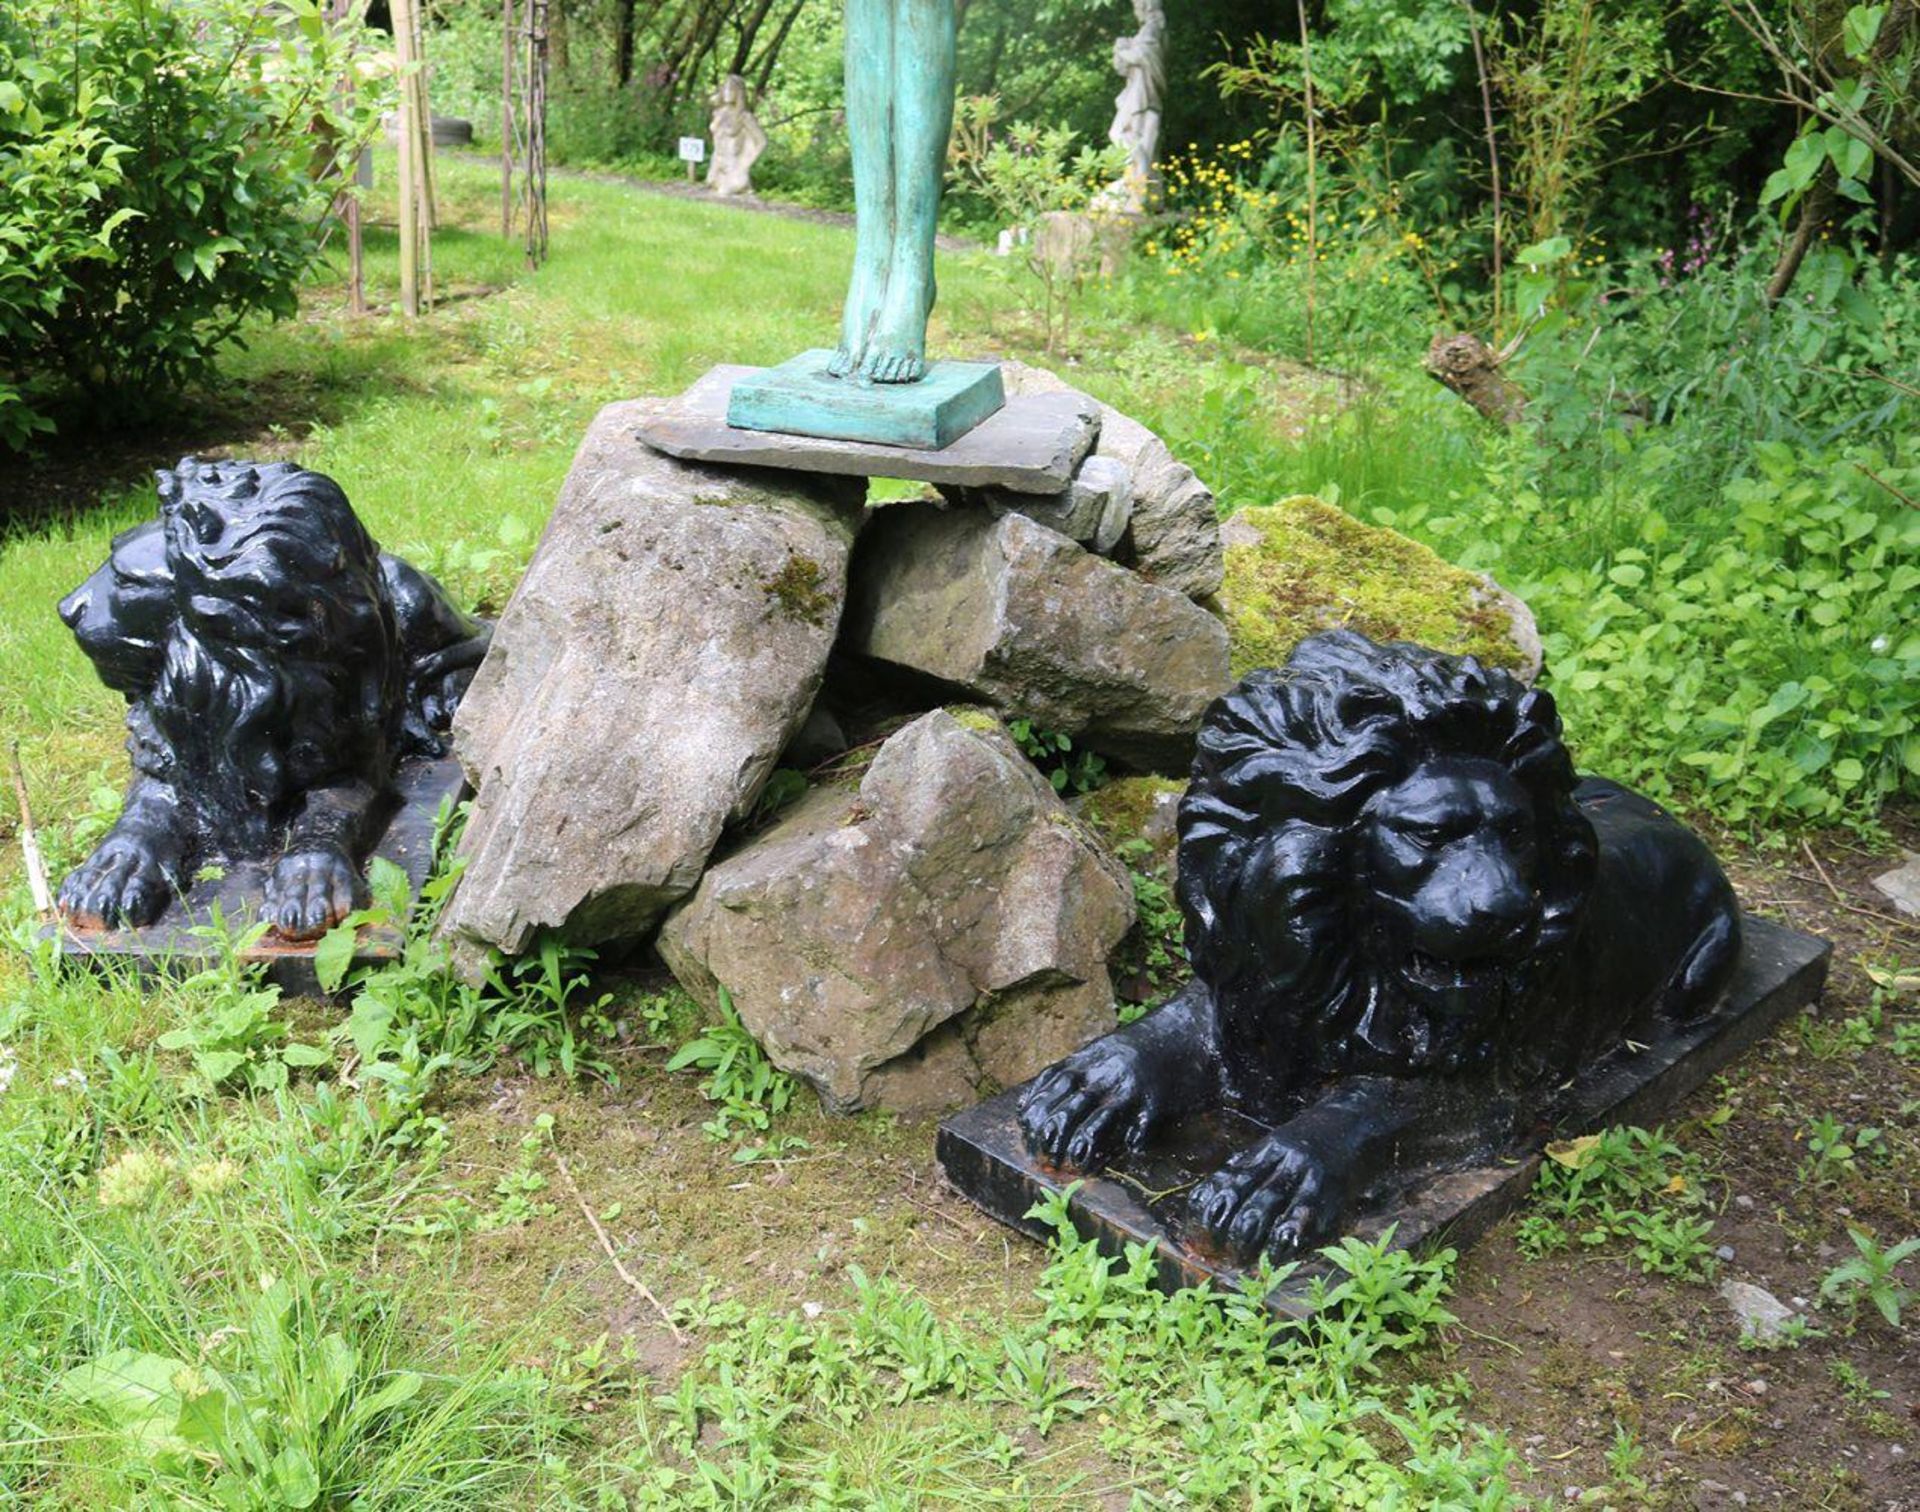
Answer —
(940, 932)
(1000, 609)
(666, 642)
(1173, 531)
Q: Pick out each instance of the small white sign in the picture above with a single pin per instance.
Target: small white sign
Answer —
(693, 149)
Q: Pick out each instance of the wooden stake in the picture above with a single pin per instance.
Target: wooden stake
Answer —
(408, 177)
(506, 117)
(30, 843)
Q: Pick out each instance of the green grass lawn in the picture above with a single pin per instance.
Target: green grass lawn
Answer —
(388, 1280)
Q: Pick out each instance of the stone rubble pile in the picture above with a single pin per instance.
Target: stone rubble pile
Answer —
(929, 920)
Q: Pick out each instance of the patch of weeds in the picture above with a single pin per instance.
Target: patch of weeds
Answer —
(538, 999)
(1870, 1276)
(1622, 1185)
(1791, 1334)
(1068, 768)
(1198, 1398)
(1863, 1400)
(413, 1017)
(1895, 989)
(748, 1088)
(784, 787)
(517, 1193)
(233, 1034)
(1831, 1039)
(478, 575)
(1835, 1152)
(1154, 951)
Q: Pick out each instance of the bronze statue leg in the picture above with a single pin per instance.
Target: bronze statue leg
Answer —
(871, 127)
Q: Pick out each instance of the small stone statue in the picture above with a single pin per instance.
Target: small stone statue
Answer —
(900, 73)
(1140, 60)
(738, 139)
(276, 664)
(1409, 924)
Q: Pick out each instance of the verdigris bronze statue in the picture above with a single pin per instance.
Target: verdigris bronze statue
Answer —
(877, 385)
(900, 67)
(1409, 922)
(276, 664)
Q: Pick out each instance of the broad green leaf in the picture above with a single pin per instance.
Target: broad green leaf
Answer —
(1861, 29)
(295, 1477)
(134, 1390)
(401, 1388)
(333, 956)
(217, 1065)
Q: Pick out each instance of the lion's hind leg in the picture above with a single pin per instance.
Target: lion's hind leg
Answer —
(1696, 984)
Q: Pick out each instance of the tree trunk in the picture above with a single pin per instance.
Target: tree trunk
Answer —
(749, 31)
(1471, 368)
(623, 42)
(763, 69)
(1814, 210)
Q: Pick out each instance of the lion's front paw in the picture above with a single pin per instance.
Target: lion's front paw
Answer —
(125, 882)
(311, 891)
(1093, 1105)
(1279, 1196)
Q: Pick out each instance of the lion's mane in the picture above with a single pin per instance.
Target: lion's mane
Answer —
(1272, 885)
(281, 666)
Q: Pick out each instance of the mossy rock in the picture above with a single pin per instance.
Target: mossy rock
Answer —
(1303, 565)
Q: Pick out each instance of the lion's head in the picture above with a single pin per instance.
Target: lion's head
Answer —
(1380, 860)
(282, 664)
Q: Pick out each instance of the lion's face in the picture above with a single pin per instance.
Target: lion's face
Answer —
(1450, 857)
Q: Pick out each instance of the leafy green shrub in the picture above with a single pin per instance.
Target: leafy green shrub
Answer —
(165, 169)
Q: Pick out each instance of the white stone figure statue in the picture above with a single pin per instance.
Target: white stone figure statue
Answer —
(1141, 61)
(738, 139)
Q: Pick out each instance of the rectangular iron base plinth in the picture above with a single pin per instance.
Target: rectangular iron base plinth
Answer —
(1139, 1201)
(177, 943)
(800, 397)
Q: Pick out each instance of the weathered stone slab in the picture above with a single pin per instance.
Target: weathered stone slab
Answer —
(1093, 509)
(1008, 612)
(800, 397)
(943, 930)
(1140, 1201)
(170, 947)
(1173, 531)
(1032, 445)
(665, 644)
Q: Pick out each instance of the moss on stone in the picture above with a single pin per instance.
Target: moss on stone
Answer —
(797, 589)
(1303, 565)
(973, 717)
(1120, 809)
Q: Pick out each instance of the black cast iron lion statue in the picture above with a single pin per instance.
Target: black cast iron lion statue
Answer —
(1409, 922)
(276, 664)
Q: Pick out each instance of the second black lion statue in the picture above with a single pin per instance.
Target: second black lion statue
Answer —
(276, 664)
(1409, 922)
